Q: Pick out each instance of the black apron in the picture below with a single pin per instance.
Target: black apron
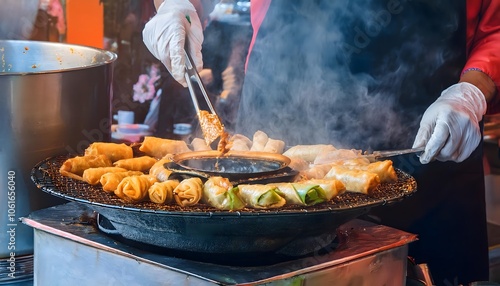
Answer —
(360, 74)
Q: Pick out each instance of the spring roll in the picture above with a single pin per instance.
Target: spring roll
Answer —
(159, 171)
(110, 181)
(134, 188)
(74, 167)
(384, 169)
(274, 146)
(162, 192)
(220, 193)
(331, 187)
(259, 141)
(93, 175)
(188, 192)
(353, 162)
(199, 144)
(302, 193)
(114, 151)
(315, 172)
(358, 181)
(308, 152)
(240, 142)
(143, 163)
(298, 164)
(332, 156)
(261, 196)
(159, 147)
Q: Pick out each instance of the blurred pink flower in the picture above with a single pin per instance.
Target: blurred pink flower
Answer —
(144, 89)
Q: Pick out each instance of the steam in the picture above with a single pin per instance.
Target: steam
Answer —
(358, 88)
(17, 19)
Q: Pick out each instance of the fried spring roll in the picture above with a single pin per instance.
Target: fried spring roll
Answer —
(354, 180)
(274, 146)
(384, 169)
(331, 187)
(199, 144)
(143, 163)
(110, 181)
(159, 147)
(315, 172)
(298, 164)
(159, 171)
(188, 192)
(134, 188)
(302, 193)
(74, 167)
(308, 152)
(259, 141)
(220, 193)
(333, 156)
(261, 196)
(240, 142)
(353, 162)
(162, 192)
(93, 175)
(113, 151)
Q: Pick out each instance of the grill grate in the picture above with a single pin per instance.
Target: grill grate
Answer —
(46, 177)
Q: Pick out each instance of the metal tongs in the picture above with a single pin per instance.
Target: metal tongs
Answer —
(377, 155)
(214, 123)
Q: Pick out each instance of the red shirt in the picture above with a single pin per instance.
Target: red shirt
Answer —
(483, 37)
(483, 42)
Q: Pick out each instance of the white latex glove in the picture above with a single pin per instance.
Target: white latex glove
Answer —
(165, 35)
(449, 129)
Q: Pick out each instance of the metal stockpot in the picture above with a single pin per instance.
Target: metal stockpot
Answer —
(54, 99)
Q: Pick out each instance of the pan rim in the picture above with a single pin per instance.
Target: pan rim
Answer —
(39, 176)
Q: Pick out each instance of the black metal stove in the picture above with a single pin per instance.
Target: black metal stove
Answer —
(70, 248)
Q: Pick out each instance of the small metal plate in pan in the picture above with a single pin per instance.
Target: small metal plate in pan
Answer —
(251, 163)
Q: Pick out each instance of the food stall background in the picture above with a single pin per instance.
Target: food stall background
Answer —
(227, 35)
(226, 38)
(116, 25)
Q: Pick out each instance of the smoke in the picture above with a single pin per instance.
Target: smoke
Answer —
(17, 19)
(350, 74)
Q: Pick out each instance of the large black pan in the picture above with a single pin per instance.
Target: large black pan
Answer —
(202, 229)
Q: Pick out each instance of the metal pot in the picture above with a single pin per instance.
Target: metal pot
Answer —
(54, 98)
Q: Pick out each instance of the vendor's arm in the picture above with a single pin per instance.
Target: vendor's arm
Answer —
(483, 46)
(449, 128)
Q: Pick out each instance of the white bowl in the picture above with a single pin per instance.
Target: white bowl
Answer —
(182, 128)
(132, 128)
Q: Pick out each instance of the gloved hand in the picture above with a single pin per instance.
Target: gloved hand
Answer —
(449, 129)
(165, 35)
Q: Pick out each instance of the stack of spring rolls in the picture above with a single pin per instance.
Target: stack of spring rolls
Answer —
(324, 173)
(325, 162)
(132, 179)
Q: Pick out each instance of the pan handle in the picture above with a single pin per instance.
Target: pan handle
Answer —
(376, 155)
